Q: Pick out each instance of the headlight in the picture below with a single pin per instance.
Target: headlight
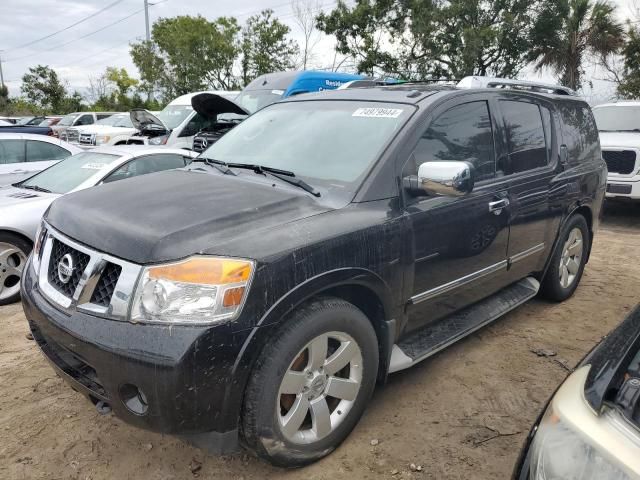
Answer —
(199, 290)
(161, 140)
(102, 139)
(573, 443)
(37, 247)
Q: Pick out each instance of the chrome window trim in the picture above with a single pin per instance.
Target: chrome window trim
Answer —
(118, 308)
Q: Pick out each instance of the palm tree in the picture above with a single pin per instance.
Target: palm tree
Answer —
(566, 31)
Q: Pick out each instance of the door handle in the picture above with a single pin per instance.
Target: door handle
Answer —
(499, 205)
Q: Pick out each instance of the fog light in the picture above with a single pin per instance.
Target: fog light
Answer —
(134, 399)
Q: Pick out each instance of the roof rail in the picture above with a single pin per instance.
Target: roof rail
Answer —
(491, 82)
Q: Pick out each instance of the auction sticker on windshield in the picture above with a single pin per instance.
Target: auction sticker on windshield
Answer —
(94, 166)
(376, 112)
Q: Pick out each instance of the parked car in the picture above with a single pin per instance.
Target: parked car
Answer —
(30, 121)
(50, 121)
(22, 204)
(74, 120)
(174, 126)
(113, 130)
(37, 130)
(224, 114)
(619, 127)
(589, 429)
(23, 154)
(322, 244)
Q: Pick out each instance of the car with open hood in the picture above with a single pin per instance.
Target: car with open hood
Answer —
(261, 92)
(175, 125)
(590, 429)
(258, 295)
(23, 204)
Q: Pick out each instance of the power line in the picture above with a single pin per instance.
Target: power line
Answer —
(75, 40)
(28, 44)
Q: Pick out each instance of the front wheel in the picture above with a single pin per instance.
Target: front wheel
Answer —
(311, 384)
(568, 261)
(13, 258)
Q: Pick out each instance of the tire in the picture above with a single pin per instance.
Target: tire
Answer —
(14, 251)
(268, 402)
(563, 275)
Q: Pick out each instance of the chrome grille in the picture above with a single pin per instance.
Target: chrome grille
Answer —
(99, 284)
(620, 161)
(87, 139)
(78, 262)
(72, 135)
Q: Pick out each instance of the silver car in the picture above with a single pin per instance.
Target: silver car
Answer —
(23, 204)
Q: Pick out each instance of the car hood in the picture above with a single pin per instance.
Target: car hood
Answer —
(620, 139)
(142, 119)
(11, 196)
(210, 105)
(174, 214)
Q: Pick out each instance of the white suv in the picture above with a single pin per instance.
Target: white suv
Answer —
(113, 130)
(619, 127)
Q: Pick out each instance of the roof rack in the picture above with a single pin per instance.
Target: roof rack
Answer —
(491, 82)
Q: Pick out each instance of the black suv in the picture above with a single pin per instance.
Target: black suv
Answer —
(328, 240)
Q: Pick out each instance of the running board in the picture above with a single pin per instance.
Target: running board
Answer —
(431, 339)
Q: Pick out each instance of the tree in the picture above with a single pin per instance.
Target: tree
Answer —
(567, 31)
(187, 54)
(99, 87)
(629, 86)
(304, 15)
(419, 39)
(265, 46)
(123, 82)
(42, 87)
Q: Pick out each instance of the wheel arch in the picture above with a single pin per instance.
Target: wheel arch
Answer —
(17, 233)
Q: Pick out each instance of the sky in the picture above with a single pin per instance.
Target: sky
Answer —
(87, 48)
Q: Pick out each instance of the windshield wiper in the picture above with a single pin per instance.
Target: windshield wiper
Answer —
(218, 164)
(284, 175)
(33, 187)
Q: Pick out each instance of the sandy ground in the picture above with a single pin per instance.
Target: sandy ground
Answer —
(462, 414)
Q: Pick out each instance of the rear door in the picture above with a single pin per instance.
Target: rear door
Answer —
(530, 131)
(459, 243)
(12, 161)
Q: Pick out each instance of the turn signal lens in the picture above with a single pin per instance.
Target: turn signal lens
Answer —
(204, 271)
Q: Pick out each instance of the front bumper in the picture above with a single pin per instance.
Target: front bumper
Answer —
(186, 374)
(621, 187)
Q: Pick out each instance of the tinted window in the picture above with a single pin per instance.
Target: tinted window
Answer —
(11, 151)
(462, 133)
(85, 120)
(102, 116)
(147, 164)
(525, 136)
(579, 132)
(68, 174)
(43, 151)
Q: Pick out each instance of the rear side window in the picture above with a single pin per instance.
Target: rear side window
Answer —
(43, 151)
(11, 151)
(580, 133)
(462, 133)
(525, 136)
(85, 120)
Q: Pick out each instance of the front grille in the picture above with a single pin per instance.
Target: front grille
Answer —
(199, 144)
(106, 285)
(86, 139)
(620, 161)
(79, 262)
(72, 135)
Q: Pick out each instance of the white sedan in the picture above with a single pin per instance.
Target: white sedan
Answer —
(23, 154)
(23, 204)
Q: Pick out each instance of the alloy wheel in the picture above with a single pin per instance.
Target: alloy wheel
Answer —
(12, 262)
(319, 388)
(571, 258)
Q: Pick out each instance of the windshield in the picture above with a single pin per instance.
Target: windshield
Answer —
(174, 115)
(618, 118)
(254, 100)
(67, 119)
(330, 143)
(68, 174)
(111, 120)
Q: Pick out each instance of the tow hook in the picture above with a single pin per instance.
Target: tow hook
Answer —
(103, 408)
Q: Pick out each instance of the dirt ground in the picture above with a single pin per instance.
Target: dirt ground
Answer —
(462, 414)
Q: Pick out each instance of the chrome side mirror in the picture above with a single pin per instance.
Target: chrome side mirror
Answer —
(447, 178)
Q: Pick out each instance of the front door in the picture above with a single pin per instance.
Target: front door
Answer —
(459, 243)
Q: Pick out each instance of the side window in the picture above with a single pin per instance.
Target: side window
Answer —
(197, 123)
(102, 116)
(147, 164)
(42, 151)
(11, 151)
(84, 120)
(525, 136)
(462, 133)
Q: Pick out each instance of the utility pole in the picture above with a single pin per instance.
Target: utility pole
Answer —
(146, 18)
(1, 76)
